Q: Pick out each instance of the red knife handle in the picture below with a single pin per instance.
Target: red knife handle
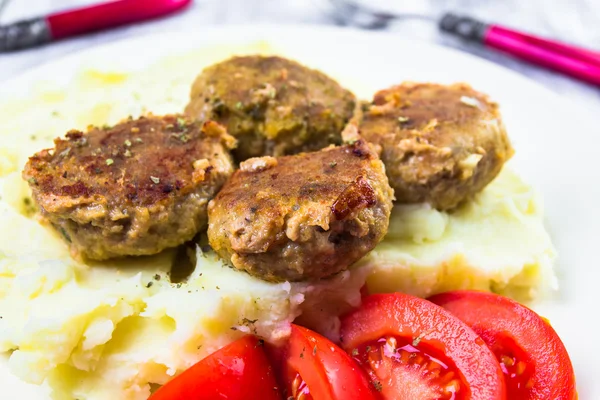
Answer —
(109, 15)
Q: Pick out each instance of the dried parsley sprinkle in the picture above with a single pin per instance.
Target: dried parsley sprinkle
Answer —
(155, 179)
(368, 349)
(149, 284)
(157, 277)
(32, 181)
(138, 140)
(127, 153)
(239, 105)
(354, 352)
(128, 143)
(333, 164)
(378, 386)
(109, 161)
(181, 123)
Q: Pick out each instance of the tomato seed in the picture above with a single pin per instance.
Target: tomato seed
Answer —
(520, 367)
(506, 360)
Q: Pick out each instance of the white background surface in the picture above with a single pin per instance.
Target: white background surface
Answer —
(576, 21)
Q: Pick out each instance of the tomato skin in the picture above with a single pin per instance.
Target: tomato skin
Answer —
(326, 369)
(507, 326)
(239, 371)
(406, 316)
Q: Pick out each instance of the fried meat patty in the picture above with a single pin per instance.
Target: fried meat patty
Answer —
(302, 217)
(133, 189)
(272, 105)
(440, 144)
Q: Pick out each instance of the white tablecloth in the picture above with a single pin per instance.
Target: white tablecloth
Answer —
(576, 21)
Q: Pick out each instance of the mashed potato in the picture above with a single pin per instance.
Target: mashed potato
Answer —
(108, 330)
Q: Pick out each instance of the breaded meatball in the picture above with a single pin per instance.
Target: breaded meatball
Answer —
(272, 105)
(133, 189)
(302, 217)
(440, 144)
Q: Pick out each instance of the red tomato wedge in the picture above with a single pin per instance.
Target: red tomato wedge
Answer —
(315, 368)
(413, 349)
(239, 371)
(534, 360)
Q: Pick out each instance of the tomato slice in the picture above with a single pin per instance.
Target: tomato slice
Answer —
(315, 368)
(239, 371)
(413, 349)
(533, 358)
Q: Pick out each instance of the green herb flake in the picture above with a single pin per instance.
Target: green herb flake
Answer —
(239, 105)
(55, 114)
(315, 350)
(181, 124)
(110, 161)
(157, 277)
(32, 181)
(333, 164)
(246, 321)
(378, 386)
(127, 153)
(128, 143)
(138, 140)
(155, 179)
(149, 284)
(368, 349)
(355, 352)
(403, 120)
(106, 127)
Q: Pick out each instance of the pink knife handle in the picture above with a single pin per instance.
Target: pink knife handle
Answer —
(109, 15)
(570, 60)
(566, 49)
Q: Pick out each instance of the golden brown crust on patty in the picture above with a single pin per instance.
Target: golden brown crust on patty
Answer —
(272, 105)
(301, 217)
(440, 144)
(115, 191)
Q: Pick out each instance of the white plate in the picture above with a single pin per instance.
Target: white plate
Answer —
(556, 144)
